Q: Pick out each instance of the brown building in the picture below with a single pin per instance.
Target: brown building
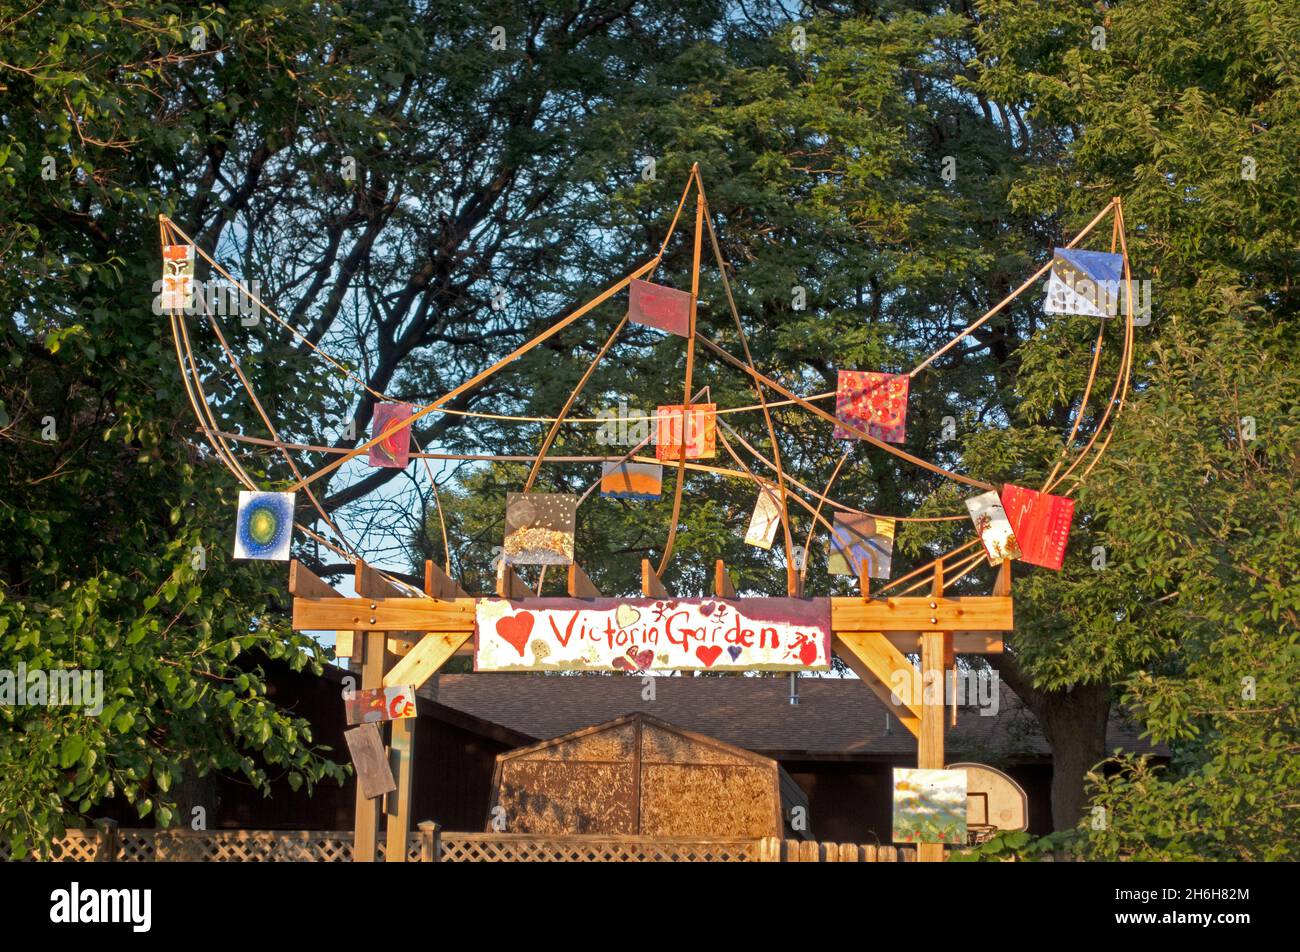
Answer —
(838, 744)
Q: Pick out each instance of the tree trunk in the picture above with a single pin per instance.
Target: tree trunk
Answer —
(1073, 721)
(194, 791)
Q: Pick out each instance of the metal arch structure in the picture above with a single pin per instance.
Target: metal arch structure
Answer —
(401, 637)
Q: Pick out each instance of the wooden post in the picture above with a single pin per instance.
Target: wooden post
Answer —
(365, 835)
(430, 842)
(651, 587)
(722, 586)
(106, 851)
(366, 831)
(934, 646)
(580, 586)
(401, 754)
(930, 743)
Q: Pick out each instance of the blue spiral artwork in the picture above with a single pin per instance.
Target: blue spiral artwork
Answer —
(264, 526)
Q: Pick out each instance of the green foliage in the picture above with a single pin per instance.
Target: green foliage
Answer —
(1016, 846)
(117, 530)
(1195, 500)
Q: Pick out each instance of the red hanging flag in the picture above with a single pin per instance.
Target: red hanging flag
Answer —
(873, 402)
(655, 305)
(1041, 523)
(394, 450)
(701, 433)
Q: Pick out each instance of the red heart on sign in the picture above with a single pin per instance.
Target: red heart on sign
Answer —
(516, 629)
(808, 653)
(708, 655)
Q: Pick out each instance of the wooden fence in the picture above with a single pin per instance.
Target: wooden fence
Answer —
(107, 844)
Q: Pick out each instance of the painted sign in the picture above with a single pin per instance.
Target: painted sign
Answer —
(264, 525)
(380, 704)
(1084, 282)
(993, 527)
(701, 433)
(178, 277)
(929, 806)
(764, 521)
(858, 538)
(658, 306)
(648, 634)
(394, 450)
(539, 528)
(1041, 523)
(874, 403)
(631, 480)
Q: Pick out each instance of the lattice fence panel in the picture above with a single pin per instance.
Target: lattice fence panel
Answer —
(327, 846)
(75, 846)
(522, 848)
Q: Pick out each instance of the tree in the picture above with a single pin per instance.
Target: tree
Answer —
(1188, 111)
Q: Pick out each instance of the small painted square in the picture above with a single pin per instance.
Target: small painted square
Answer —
(1084, 282)
(993, 527)
(264, 526)
(629, 480)
(394, 450)
(1041, 523)
(540, 527)
(763, 523)
(701, 433)
(664, 308)
(379, 704)
(929, 806)
(873, 402)
(857, 537)
(178, 277)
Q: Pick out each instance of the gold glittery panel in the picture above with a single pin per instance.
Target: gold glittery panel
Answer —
(539, 528)
(707, 800)
(554, 797)
(661, 746)
(615, 744)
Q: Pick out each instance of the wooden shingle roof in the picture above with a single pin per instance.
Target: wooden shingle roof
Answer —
(836, 718)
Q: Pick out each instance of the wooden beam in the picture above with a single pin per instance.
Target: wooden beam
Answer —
(970, 613)
(385, 614)
(930, 741)
(979, 615)
(509, 585)
(651, 587)
(580, 586)
(373, 585)
(365, 832)
(438, 584)
(882, 667)
(964, 642)
(424, 660)
(722, 586)
(401, 759)
(365, 840)
(1002, 584)
(305, 583)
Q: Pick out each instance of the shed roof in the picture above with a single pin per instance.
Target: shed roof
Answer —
(836, 718)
